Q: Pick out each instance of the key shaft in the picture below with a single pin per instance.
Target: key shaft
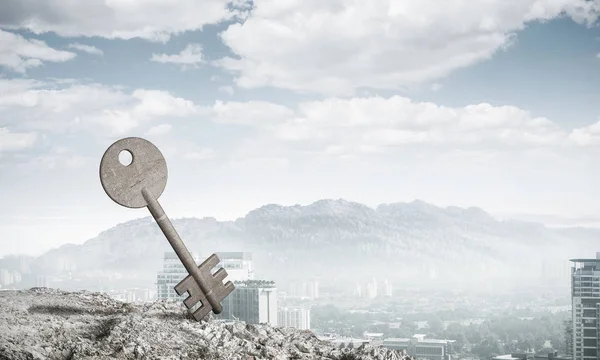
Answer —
(181, 250)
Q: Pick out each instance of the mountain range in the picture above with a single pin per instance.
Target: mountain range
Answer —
(337, 239)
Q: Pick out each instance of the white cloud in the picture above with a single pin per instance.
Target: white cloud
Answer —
(335, 47)
(175, 147)
(586, 135)
(57, 157)
(190, 57)
(161, 129)
(374, 125)
(201, 154)
(255, 113)
(15, 140)
(436, 87)
(60, 107)
(154, 20)
(86, 48)
(260, 163)
(18, 85)
(154, 103)
(19, 54)
(333, 126)
(226, 89)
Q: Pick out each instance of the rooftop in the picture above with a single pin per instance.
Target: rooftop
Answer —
(172, 255)
(255, 283)
(346, 340)
(509, 357)
(596, 260)
(370, 334)
(231, 255)
(420, 340)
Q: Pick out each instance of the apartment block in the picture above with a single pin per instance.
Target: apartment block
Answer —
(420, 347)
(9, 278)
(304, 289)
(173, 272)
(585, 295)
(252, 301)
(298, 318)
(237, 264)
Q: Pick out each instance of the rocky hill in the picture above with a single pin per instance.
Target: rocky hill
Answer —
(50, 324)
(334, 237)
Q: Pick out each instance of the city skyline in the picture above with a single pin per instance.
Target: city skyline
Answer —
(407, 102)
(297, 312)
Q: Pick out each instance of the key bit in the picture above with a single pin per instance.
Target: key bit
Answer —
(140, 184)
(196, 296)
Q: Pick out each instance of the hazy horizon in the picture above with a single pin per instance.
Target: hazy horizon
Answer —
(548, 220)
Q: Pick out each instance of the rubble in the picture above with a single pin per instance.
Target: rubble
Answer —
(45, 323)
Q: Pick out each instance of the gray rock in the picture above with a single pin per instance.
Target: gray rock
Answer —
(53, 324)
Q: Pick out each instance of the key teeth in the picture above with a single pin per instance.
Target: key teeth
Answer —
(196, 296)
(229, 287)
(184, 285)
(192, 300)
(220, 275)
(210, 262)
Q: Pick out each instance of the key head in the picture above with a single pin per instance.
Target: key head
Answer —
(124, 183)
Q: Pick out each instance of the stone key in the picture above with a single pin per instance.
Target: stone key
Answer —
(140, 184)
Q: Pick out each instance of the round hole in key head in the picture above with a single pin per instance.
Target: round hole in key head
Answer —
(124, 184)
(125, 157)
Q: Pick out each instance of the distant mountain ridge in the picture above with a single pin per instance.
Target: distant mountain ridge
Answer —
(339, 238)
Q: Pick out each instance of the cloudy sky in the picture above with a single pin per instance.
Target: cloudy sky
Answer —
(489, 103)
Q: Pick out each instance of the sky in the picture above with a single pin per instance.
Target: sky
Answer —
(488, 103)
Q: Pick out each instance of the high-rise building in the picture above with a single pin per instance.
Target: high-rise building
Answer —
(252, 301)
(372, 289)
(16, 276)
(42, 281)
(294, 318)
(358, 290)
(304, 289)
(173, 272)
(10, 277)
(568, 325)
(387, 288)
(585, 294)
(432, 272)
(313, 289)
(6, 277)
(237, 264)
